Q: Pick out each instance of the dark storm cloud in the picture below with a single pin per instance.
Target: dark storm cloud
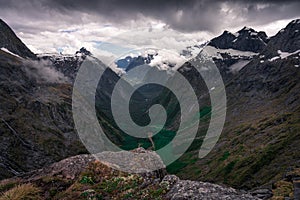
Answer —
(190, 15)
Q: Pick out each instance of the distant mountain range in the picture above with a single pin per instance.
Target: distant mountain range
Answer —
(260, 141)
(246, 39)
(129, 62)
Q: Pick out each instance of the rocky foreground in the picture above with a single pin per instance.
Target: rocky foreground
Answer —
(84, 177)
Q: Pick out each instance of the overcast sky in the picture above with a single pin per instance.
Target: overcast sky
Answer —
(61, 25)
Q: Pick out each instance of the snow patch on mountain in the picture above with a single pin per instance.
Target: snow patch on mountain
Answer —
(57, 56)
(216, 53)
(7, 51)
(284, 55)
(193, 51)
(274, 58)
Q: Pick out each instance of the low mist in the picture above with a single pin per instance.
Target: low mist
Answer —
(44, 72)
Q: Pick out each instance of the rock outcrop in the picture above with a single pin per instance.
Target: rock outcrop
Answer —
(84, 177)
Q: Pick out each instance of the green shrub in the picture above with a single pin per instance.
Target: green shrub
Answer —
(86, 180)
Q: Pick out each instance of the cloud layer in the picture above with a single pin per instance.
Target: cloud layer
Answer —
(62, 25)
(192, 15)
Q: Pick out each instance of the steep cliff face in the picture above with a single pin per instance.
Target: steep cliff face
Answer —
(11, 42)
(36, 120)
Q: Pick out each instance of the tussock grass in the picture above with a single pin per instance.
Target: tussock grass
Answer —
(22, 192)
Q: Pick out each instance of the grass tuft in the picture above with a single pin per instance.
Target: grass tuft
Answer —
(22, 192)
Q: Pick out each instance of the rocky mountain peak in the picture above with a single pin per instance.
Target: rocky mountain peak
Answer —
(129, 62)
(83, 51)
(250, 32)
(223, 40)
(10, 41)
(286, 40)
(246, 39)
(246, 29)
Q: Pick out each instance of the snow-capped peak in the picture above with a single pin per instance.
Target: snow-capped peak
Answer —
(246, 39)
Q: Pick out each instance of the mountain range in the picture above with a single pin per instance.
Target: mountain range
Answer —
(258, 148)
